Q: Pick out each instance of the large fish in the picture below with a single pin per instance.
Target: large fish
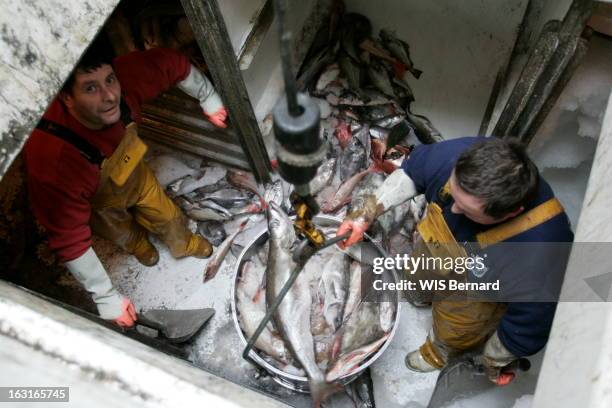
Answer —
(362, 332)
(200, 213)
(190, 183)
(213, 231)
(334, 288)
(292, 318)
(274, 193)
(251, 307)
(354, 293)
(352, 73)
(214, 206)
(380, 79)
(366, 188)
(324, 175)
(243, 180)
(425, 130)
(329, 75)
(400, 50)
(343, 195)
(353, 159)
(212, 267)
(363, 135)
(349, 362)
(229, 197)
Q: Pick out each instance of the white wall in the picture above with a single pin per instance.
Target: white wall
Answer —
(239, 16)
(459, 45)
(263, 78)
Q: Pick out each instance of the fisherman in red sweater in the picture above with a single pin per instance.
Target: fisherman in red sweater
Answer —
(86, 171)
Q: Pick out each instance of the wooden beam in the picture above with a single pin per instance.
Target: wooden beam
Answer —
(211, 34)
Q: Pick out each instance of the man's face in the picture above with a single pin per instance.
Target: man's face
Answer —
(95, 98)
(473, 207)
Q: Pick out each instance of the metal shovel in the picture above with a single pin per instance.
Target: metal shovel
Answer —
(176, 326)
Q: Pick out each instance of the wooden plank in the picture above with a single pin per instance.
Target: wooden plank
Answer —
(211, 34)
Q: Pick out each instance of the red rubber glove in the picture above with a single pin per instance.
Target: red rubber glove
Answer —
(356, 227)
(218, 118)
(128, 314)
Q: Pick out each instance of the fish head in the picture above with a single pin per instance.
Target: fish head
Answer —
(280, 226)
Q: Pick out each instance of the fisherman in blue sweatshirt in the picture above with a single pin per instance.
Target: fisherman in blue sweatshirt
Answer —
(486, 198)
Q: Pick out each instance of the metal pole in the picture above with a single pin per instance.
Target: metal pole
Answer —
(285, 53)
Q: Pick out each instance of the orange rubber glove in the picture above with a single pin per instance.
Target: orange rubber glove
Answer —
(128, 314)
(218, 118)
(357, 227)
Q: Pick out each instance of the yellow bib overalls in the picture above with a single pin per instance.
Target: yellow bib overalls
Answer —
(129, 202)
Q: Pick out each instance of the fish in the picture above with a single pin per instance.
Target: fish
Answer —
(343, 194)
(186, 185)
(389, 122)
(405, 85)
(379, 148)
(363, 135)
(229, 197)
(329, 75)
(424, 129)
(251, 307)
(324, 175)
(274, 193)
(400, 50)
(402, 133)
(292, 318)
(252, 208)
(199, 213)
(360, 329)
(200, 193)
(380, 79)
(354, 292)
(212, 267)
(334, 283)
(379, 133)
(205, 214)
(352, 160)
(377, 112)
(350, 362)
(367, 187)
(213, 231)
(214, 206)
(167, 169)
(375, 49)
(355, 28)
(362, 252)
(243, 180)
(352, 72)
(343, 134)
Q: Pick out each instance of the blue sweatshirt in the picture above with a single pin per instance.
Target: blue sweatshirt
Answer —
(529, 268)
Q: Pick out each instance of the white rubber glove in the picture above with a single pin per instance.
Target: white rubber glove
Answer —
(90, 272)
(396, 189)
(198, 86)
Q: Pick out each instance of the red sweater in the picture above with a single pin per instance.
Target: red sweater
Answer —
(61, 182)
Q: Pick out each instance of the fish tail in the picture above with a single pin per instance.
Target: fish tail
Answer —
(320, 390)
(416, 72)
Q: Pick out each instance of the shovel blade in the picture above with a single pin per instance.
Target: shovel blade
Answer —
(177, 326)
(460, 378)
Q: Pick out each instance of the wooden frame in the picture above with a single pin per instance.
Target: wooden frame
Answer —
(211, 34)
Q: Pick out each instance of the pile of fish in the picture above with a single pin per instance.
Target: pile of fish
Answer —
(323, 325)
(323, 329)
(362, 86)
